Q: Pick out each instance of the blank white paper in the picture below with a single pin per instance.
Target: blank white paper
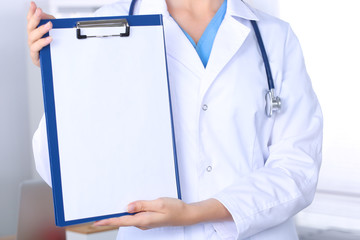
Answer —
(113, 121)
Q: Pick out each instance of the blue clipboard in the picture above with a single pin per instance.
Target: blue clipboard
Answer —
(63, 97)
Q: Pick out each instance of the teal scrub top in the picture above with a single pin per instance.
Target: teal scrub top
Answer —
(204, 46)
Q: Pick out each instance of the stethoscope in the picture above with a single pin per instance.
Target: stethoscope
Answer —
(273, 102)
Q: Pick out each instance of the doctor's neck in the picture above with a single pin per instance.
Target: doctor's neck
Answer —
(193, 15)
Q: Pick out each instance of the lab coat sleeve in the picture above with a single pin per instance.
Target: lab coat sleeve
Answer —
(41, 152)
(287, 182)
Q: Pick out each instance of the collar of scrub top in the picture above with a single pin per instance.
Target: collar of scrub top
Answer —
(206, 41)
(235, 8)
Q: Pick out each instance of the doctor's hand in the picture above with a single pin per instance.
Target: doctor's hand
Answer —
(35, 40)
(169, 212)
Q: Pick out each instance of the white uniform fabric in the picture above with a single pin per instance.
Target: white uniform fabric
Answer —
(264, 170)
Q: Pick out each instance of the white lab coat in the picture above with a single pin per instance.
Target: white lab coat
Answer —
(263, 170)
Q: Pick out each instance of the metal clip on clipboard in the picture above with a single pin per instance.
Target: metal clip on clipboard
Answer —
(113, 25)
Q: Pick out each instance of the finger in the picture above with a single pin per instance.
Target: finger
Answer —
(38, 33)
(124, 221)
(36, 47)
(31, 11)
(143, 219)
(35, 57)
(145, 206)
(34, 20)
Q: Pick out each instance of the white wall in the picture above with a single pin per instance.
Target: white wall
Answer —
(15, 163)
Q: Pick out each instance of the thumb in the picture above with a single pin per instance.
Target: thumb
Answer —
(143, 206)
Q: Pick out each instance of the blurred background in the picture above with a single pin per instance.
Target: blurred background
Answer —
(329, 33)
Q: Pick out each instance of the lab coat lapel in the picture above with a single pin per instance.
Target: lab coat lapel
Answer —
(179, 48)
(229, 39)
(177, 45)
(231, 35)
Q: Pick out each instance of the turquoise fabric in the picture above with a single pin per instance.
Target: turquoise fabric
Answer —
(205, 44)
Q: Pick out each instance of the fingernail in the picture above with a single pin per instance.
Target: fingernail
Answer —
(48, 25)
(49, 39)
(37, 12)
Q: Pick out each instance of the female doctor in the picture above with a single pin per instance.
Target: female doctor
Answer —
(243, 174)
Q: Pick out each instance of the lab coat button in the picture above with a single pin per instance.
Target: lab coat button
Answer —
(205, 107)
(209, 168)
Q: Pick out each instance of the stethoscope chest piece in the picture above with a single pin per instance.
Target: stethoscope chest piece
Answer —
(273, 103)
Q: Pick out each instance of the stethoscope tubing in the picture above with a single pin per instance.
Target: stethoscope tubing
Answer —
(263, 54)
(132, 7)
